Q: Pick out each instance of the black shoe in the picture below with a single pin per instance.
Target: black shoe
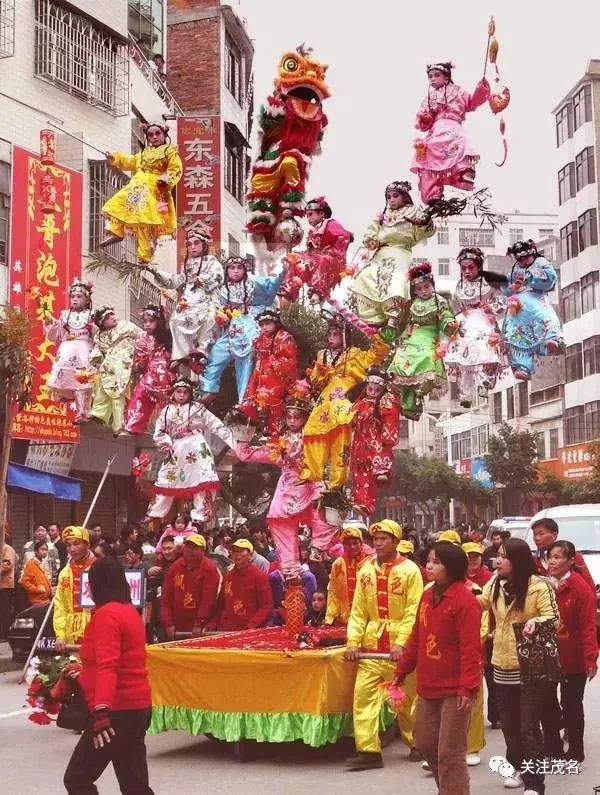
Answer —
(495, 724)
(364, 761)
(415, 755)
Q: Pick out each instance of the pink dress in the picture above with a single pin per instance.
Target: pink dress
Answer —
(152, 391)
(445, 152)
(72, 332)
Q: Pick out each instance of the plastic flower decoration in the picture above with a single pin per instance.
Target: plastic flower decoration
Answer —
(85, 376)
(43, 677)
(514, 305)
(140, 465)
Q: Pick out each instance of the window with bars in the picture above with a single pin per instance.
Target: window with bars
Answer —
(105, 181)
(138, 138)
(553, 443)
(444, 266)
(234, 167)
(73, 54)
(564, 124)
(7, 28)
(543, 233)
(233, 69)
(574, 425)
(484, 238)
(540, 444)
(514, 235)
(588, 229)
(479, 440)
(569, 302)
(582, 106)
(233, 245)
(497, 407)
(460, 445)
(566, 183)
(523, 392)
(573, 363)
(443, 236)
(569, 240)
(592, 420)
(510, 403)
(585, 168)
(589, 292)
(4, 211)
(591, 355)
(546, 395)
(145, 22)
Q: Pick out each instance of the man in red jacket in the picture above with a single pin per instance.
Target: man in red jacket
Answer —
(545, 533)
(190, 589)
(245, 601)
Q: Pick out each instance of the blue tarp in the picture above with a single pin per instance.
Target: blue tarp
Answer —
(28, 479)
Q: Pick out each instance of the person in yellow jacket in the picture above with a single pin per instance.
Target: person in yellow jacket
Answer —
(70, 619)
(145, 205)
(328, 430)
(344, 571)
(388, 591)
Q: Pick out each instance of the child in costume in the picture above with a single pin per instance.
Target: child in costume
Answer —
(376, 431)
(243, 297)
(151, 363)
(445, 156)
(112, 356)
(531, 325)
(189, 468)
(145, 205)
(379, 292)
(474, 356)
(323, 263)
(192, 322)
(275, 371)
(294, 500)
(417, 367)
(328, 431)
(70, 378)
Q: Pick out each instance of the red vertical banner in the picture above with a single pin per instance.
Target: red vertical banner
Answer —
(199, 190)
(45, 258)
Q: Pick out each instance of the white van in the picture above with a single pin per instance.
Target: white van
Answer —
(518, 526)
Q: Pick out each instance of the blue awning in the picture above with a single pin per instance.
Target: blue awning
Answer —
(28, 479)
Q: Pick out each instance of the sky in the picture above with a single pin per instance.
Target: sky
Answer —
(377, 52)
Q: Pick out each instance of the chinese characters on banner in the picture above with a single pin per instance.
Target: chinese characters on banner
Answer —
(576, 461)
(199, 190)
(45, 258)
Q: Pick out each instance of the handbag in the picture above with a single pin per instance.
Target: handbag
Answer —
(538, 654)
(73, 713)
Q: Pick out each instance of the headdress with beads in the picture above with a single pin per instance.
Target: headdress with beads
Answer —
(79, 285)
(182, 382)
(160, 125)
(472, 253)
(402, 186)
(421, 272)
(299, 398)
(523, 248)
(445, 67)
(199, 232)
(320, 203)
(377, 375)
(152, 311)
(235, 260)
(101, 314)
(269, 314)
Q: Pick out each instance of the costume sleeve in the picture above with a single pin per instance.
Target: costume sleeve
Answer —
(285, 365)
(478, 97)
(96, 354)
(333, 603)
(62, 604)
(161, 436)
(497, 302)
(166, 600)
(265, 601)
(420, 232)
(126, 162)
(143, 352)
(55, 331)
(358, 618)
(207, 421)
(540, 276)
(468, 628)
(320, 373)
(214, 278)
(584, 571)
(372, 234)
(414, 586)
(107, 648)
(390, 416)
(208, 595)
(254, 455)
(174, 166)
(424, 118)
(446, 315)
(171, 281)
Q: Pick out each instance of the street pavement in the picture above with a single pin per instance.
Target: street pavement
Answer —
(35, 757)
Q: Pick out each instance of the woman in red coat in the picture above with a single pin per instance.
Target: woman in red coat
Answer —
(577, 643)
(115, 684)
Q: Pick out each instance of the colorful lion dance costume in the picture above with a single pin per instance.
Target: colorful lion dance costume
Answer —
(291, 127)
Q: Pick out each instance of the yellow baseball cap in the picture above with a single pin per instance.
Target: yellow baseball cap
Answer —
(450, 535)
(350, 532)
(405, 547)
(387, 526)
(75, 533)
(243, 543)
(472, 546)
(195, 538)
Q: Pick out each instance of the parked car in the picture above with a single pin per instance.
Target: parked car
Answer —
(24, 629)
(579, 524)
(517, 525)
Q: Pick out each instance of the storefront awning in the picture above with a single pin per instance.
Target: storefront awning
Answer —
(58, 486)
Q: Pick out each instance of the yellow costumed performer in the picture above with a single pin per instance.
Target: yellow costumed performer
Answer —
(145, 206)
(344, 573)
(70, 619)
(384, 609)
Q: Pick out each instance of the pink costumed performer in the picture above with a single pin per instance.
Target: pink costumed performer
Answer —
(294, 500)
(445, 156)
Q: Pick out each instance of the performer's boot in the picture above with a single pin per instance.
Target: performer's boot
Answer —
(364, 760)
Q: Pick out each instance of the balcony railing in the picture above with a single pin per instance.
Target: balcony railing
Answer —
(158, 85)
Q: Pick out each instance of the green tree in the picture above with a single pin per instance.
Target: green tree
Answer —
(512, 458)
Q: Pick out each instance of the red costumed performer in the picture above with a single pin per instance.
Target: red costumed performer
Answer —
(375, 433)
(275, 371)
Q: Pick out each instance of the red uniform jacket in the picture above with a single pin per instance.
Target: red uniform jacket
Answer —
(245, 601)
(113, 656)
(445, 645)
(481, 576)
(189, 596)
(579, 562)
(577, 642)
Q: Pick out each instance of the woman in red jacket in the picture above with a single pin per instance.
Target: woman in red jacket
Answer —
(577, 643)
(115, 684)
(445, 649)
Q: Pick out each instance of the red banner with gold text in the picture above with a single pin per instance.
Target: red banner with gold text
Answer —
(199, 189)
(45, 258)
